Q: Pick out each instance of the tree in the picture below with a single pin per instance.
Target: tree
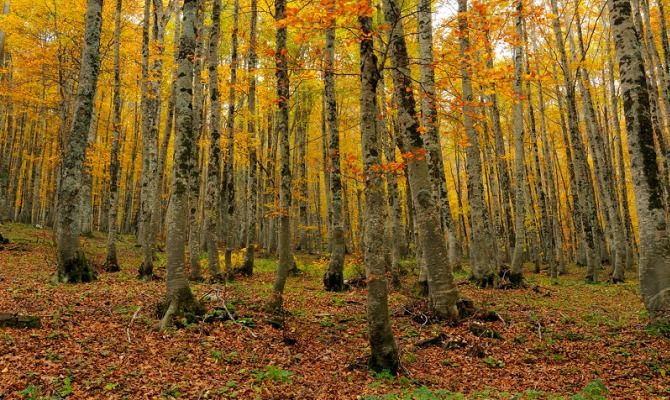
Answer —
(582, 186)
(429, 122)
(333, 279)
(285, 254)
(72, 264)
(516, 270)
(382, 343)
(111, 262)
(149, 150)
(442, 291)
(179, 299)
(482, 258)
(248, 266)
(653, 231)
(214, 163)
(228, 173)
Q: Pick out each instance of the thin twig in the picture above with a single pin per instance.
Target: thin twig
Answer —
(131, 322)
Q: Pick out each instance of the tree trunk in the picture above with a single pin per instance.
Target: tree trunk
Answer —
(483, 268)
(654, 239)
(586, 204)
(195, 178)
(149, 144)
(333, 279)
(111, 262)
(382, 343)
(516, 269)
(248, 266)
(214, 162)
(442, 291)
(429, 121)
(180, 299)
(72, 263)
(285, 257)
(228, 173)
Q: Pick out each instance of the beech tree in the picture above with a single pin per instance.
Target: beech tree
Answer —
(384, 348)
(285, 254)
(72, 264)
(111, 262)
(179, 299)
(654, 246)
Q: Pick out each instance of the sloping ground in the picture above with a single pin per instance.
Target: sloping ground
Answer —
(98, 340)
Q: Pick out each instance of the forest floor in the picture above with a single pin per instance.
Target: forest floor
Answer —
(568, 340)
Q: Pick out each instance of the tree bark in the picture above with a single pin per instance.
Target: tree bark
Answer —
(214, 161)
(180, 299)
(72, 263)
(429, 121)
(482, 257)
(228, 173)
(333, 279)
(583, 189)
(654, 238)
(382, 343)
(442, 291)
(252, 59)
(111, 262)
(275, 304)
(195, 177)
(516, 269)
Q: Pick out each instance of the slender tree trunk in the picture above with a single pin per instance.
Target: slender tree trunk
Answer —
(157, 212)
(516, 269)
(382, 343)
(584, 188)
(72, 264)
(429, 121)
(195, 178)
(214, 162)
(228, 173)
(333, 279)
(180, 299)
(146, 268)
(442, 291)
(505, 228)
(604, 173)
(395, 210)
(555, 244)
(285, 257)
(252, 59)
(483, 268)
(111, 262)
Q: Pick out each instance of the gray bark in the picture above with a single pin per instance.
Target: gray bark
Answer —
(228, 173)
(382, 343)
(252, 59)
(583, 189)
(333, 279)
(214, 161)
(179, 296)
(284, 248)
(516, 269)
(442, 291)
(653, 231)
(482, 256)
(72, 264)
(195, 178)
(429, 121)
(111, 262)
